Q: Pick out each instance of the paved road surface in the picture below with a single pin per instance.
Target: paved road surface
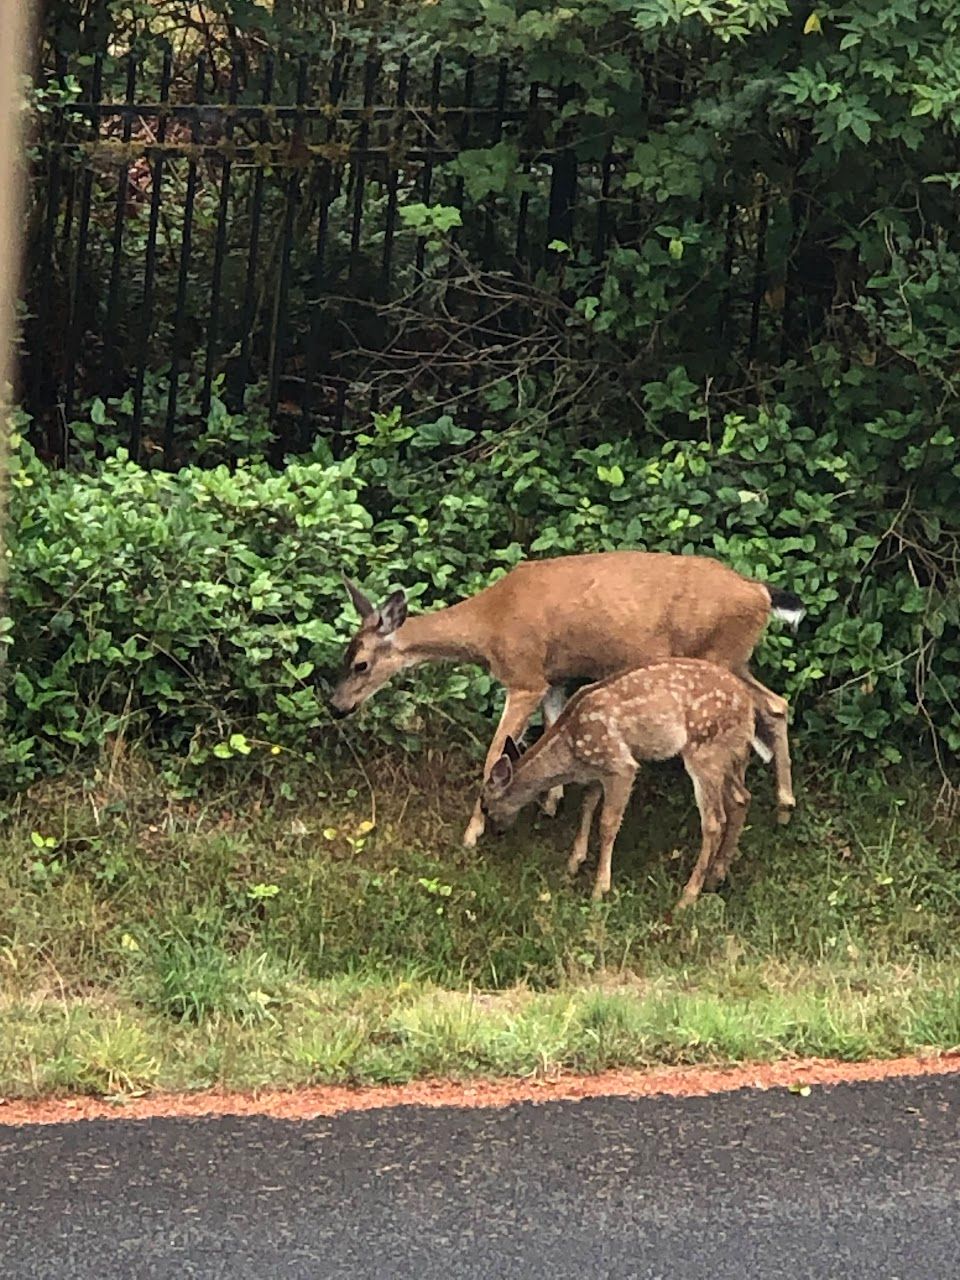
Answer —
(857, 1181)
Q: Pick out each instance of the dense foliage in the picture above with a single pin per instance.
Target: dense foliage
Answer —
(205, 607)
(760, 364)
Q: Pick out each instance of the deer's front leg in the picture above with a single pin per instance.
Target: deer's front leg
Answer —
(591, 798)
(517, 710)
(616, 797)
(552, 706)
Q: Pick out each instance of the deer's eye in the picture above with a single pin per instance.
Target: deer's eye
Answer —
(360, 667)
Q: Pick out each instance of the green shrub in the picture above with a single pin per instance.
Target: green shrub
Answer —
(202, 611)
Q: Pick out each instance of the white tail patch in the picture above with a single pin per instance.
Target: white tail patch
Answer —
(762, 750)
(792, 616)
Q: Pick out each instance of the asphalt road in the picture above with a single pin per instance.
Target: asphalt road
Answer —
(853, 1181)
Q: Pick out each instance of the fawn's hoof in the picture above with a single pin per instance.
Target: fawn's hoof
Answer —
(550, 803)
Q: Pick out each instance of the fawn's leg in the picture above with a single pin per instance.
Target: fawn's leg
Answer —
(709, 794)
(774, 712)
(517, 710)
(616, 796)
(736, 800)
(553, 704)
(591, 798)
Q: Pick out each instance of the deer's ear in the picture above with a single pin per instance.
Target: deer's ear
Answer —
(511, 750)
(361, 603)
(501, 775)
(393, 613)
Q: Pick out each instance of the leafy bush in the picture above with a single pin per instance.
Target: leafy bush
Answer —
(203, 610)
(192, 603)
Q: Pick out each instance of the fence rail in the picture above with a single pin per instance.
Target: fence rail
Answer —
(261, 245)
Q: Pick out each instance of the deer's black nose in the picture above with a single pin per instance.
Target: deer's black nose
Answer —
(338, 713)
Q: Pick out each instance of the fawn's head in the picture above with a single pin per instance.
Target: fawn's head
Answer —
(371, 657)
(499, 800)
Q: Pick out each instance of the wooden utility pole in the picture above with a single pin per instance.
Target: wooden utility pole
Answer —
(14, 23)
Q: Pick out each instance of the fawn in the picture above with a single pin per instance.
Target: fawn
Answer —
(577, 617)
(683, 706)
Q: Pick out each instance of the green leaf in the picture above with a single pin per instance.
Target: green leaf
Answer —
(613, 476)
(261, 892)
(431, 219)
(446, 218)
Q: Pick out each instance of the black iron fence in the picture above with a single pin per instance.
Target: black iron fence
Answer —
(277, 234)
(306, 243)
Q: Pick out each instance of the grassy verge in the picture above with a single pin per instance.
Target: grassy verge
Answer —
(148, 942)
(335, 1032)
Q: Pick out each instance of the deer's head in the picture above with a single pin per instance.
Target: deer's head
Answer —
(500, 800)
(372, 656)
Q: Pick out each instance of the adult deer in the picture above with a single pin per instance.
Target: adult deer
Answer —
(577, 617)
(681, 707)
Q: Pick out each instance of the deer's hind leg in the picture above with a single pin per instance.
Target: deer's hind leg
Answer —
(707, 781)
(736, 799)
(773, 713)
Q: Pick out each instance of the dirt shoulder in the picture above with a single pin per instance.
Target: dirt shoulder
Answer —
(328, 1100)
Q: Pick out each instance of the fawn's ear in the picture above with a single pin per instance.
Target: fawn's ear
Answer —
(501, 775)
(511, 750)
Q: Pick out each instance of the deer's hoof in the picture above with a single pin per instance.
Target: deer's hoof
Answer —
(472, 834)
(550, 802)
(785, 812)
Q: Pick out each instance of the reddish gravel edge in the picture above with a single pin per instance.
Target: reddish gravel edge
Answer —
(331, 1100)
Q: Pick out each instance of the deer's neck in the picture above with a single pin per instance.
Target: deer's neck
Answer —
(455, 634)
(548, 763)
